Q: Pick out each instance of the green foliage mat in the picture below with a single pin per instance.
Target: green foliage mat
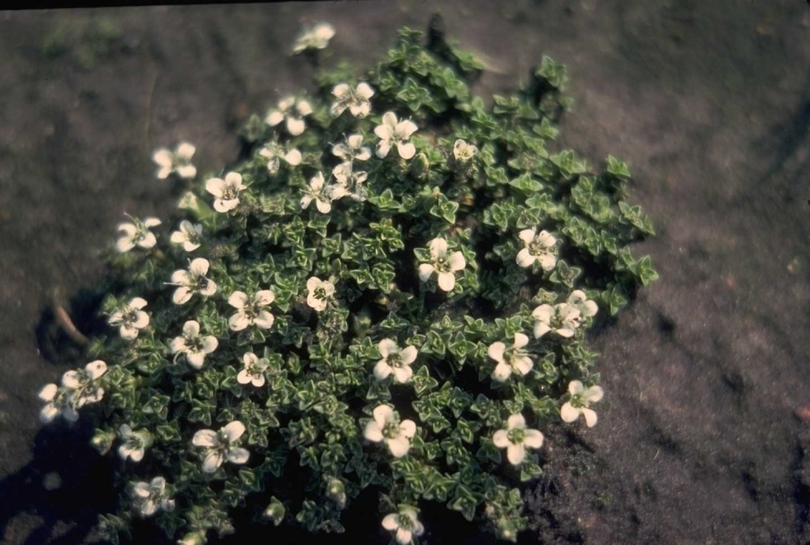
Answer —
(390, 289)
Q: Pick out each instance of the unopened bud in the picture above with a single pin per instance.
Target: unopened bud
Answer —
(102, 441)
(194, 538)
(275, 511)
(420, 166)
(337, 492)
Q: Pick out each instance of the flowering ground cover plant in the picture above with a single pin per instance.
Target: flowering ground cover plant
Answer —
(390, 291)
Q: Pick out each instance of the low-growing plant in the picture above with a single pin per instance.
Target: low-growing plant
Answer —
(389, 290)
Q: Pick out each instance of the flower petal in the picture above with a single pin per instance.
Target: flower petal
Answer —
(70, 379)
(406, 150)
(238, 455)
(243, 377)
(382, 415)
(187, 171)
(191, 329)
(496, 350)
(568, 412)
(502, 372)
(382, 370)
(590, 416)
(457, 261)
(501, 439)
(209, 344)
(399, 446)
(274, 118)
(387, 347)
(215, 186)
(234, 430)
(364, 90)
(533, 439)
(527, 236)
(575, 387)
(523, 365)
(447, 281)
(238, 300)
(199, 266)
(264, 319)
(403, 374)
(390, 522)
(48, 392)
(383, 147)
(594, 394)
(141, 320)
(373, 432)
(295, 126)
(212, 461)
(547, 262)
(425, 270)
(524, 258)
(516, 421)
(205, 438)
(540, 329)
(408, 355)
(407, 428)
(515, 453)
(195, 359)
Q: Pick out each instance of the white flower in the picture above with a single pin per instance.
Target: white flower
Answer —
(219, 446)
(348, 183)
(386, 427)
(293, 112)
(515, 360)
(316, 37)
(274, 152)
(319, 293)
(563, 318)
(463, 151)
(194, 346)
(192, 281)
(356, 100)
(226, 191)
(395, 360)
(82, 383)
(538, 246)
(178, 161)
(405, 524)
(515, 438)
(253, 371)
(57, 401)
(580, 401)
(317, 192)
(353, 149)
(446, 267)
(135, 443)
(147, 498)
(189, 235)
(395, 133)
(250, 310)
(130, 318)
(580, 301)
(137, 233)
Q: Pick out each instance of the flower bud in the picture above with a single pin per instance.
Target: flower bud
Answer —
(102, 441)
(194, 538)
(275, 511)
(420, 166)
(337, 492)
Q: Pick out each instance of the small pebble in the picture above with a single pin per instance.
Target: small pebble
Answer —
(52, 481)
(803, 413)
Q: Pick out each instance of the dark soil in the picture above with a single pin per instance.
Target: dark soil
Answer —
(704, 433)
